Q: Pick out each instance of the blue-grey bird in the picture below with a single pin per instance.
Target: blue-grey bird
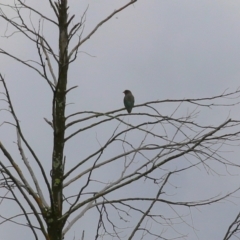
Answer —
(128, 100)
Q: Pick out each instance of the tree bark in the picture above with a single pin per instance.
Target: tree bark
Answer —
(54, 225)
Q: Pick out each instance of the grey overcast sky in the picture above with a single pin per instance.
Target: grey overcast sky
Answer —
(159, 49)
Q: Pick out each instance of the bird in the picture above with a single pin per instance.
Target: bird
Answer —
(128, 100)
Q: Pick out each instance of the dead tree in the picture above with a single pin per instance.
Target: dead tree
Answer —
(146, 153)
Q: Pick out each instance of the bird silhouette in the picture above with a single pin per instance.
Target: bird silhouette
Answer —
(128, 100)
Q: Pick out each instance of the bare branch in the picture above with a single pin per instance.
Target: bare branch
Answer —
(54, 8)
(99, 25)
(49, 63)
(30, 171)
(40, 14)
(150, 207)
(22, 137)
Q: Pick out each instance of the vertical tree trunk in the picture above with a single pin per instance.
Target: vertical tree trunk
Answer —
(59, 102)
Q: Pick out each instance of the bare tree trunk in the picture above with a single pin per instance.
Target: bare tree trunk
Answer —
(59, 103)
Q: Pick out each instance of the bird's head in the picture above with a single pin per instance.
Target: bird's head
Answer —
(127, 92)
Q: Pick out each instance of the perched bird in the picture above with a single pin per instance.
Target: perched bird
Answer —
(128, 100)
